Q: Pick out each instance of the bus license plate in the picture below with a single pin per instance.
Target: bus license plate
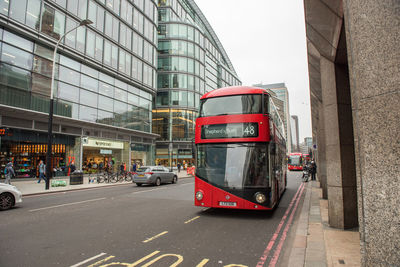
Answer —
(227, 204)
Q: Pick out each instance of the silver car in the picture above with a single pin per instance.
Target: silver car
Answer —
(9, 196)
(154, 175)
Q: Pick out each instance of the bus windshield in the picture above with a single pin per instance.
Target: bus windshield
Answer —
(294, 160)
(233, 166)
(228, 105)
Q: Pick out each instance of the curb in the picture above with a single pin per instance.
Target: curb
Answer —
(84, 188)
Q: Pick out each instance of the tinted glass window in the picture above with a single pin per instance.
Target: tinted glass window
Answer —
(238, 104)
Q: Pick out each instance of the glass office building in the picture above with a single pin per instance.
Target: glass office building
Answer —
(105, 82)
(191, 62)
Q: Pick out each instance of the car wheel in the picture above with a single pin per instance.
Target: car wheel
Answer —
(6, 201)
(158, 182)
(174, 179)
(138, 184)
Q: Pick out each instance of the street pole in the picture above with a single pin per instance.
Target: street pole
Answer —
(49, 171)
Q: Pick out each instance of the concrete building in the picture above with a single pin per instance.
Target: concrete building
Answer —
(281, 100)
(105, 81)
(295, 133)
(353, 61)
(191, 62)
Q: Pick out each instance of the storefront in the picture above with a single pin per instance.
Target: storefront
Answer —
(99, 154)
(26, 148)
(166, 157)
(142, 154)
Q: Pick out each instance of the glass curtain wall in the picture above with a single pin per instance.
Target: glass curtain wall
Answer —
(122, 40)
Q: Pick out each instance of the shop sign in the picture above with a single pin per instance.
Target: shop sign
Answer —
(104, 143)
(105, 151)
(139, 147)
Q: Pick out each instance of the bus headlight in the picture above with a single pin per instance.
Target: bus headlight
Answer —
(260, 198)
(199, 195)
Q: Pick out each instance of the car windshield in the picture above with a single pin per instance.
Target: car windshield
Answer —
(142, 169)
(227, 105)
(234, 166)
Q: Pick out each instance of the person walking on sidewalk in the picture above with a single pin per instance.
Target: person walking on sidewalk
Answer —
(42, 169)
(313, 170)
(179, 167)
(9, 172)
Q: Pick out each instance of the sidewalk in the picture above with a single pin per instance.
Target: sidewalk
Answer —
(32, 187)
(317, 244)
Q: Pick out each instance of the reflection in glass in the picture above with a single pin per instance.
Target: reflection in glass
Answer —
(68, 92)
(87, 113)
(16, 57)
(17, 10)
(239, 104)
(233, 166)
(15, 77)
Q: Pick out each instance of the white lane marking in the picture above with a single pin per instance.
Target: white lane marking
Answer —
(90, 259)
(191, 220)
(154, 237)
(144, 191)
(186, 184)
(68, 204)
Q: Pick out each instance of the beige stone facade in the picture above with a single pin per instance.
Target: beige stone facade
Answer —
(354, 67)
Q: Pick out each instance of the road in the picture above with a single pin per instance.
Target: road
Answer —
(139, 226)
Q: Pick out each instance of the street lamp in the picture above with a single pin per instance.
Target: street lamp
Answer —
(50, 122)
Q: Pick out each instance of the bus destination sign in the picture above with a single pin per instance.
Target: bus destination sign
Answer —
(230, 130)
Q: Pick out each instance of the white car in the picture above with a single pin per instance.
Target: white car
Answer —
(9, 196)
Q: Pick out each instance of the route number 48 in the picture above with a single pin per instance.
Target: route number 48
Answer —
(249, 131)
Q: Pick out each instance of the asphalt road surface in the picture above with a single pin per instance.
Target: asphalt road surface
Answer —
(142, 226)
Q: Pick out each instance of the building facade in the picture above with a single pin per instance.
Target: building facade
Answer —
(281, 100)
(191, 62)
(105, 81)
(353, 63)
(295, 133)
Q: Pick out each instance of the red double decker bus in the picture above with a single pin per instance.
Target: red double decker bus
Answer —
(241, 150)
(295, 162)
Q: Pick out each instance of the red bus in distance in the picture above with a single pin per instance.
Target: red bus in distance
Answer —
(241, 150)
(295, 162)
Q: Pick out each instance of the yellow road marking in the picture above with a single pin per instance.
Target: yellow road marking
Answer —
(101, 261)
(154, 237)
(180, 259)
(144, 258)
(191, 220)
(202, 263)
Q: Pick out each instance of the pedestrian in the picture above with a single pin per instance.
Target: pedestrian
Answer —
(313, 170)
(179, 167)
(9, 173)
(134, 167)
(122, 168)
(42, 169)
(101, 165)
(72, 167)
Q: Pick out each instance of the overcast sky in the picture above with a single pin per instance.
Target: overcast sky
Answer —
(265, 41)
